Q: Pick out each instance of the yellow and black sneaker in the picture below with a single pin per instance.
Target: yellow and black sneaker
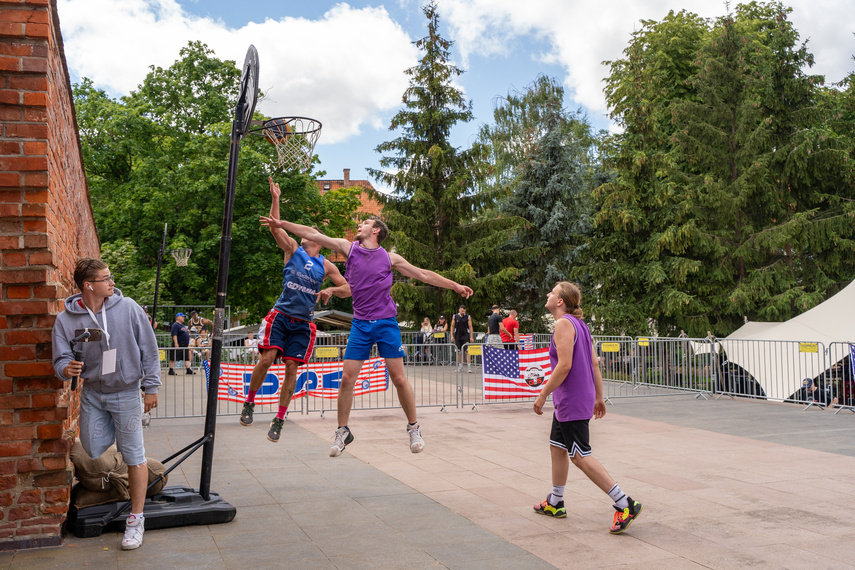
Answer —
(275, 429)
(558, 511)
(624, 517)
(246, 414)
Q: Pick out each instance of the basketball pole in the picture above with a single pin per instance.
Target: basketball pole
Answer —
(157, 280)
(220, 306)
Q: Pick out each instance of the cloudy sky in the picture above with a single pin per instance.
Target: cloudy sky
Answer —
(343, 63)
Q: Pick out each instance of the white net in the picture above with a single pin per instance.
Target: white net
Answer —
(294, 139)
(181, 256)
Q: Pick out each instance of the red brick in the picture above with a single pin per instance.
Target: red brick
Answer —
(36, 196)
(16, 448)
(52, 431)
(34, 383)
(43, 415)
(38, 521)
(35, 99)
(33, 147)
(15, 48)
(18, 352)
(7, 468)
(23, 163)
(11, 29)
(14, 402)
(5, 388)
(17, 433)
(18, 292)
(9, 97)
(9, 147)
(37, 30)
(6, 533)
(24, 16)
(56, 495)
(28, 531)
(61, 445)
(10, 210)
(10, 242)
(27, 337)
(6, 499)
(11, 113)
(28, 83)
(29, 465)
(56, 509)
(26, 275)
(21, 307)
(14, 259)
(56, 479)
(9, 63)
(39, 257)
(35, 226)
(27, 131)
(20, 513)
(48, 400)
(34, 65)
(36, 242)
(30, 496)
(10, 179)
(8, 482)
(20, 370)
(46, 292)
(53, 463)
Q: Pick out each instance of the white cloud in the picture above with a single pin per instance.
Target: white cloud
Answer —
(344, 69)
(584, 34)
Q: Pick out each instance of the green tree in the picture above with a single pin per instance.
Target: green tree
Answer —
(432, 213)
(161, 155)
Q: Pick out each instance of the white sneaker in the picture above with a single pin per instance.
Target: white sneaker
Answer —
(417, 444)
(342, 438)
(469, 369)
(134, 529)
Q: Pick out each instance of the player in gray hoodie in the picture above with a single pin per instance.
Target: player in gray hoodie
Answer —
(112, 371)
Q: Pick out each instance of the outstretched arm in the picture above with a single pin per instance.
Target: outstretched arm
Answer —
(404, 267)
(285, 242)
(341, 289)
(335, 244)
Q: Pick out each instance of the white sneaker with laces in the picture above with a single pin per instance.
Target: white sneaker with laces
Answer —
(134, 529)
(417, 444)
(342, 438)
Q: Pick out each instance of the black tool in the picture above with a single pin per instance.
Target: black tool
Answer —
(78, 354)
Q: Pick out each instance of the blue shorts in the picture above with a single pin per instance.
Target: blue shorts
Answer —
(293, 338)
(108, 418)
(363, 335)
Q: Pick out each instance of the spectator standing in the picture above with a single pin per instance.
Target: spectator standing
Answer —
(463, 332)
(180, 342)
(510, 331)
(494, 324)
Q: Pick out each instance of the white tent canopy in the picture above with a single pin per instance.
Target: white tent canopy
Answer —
(781, 355)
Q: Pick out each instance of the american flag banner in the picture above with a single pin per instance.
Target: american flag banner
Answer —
(514, 373)
(318, 379)
(527, 341)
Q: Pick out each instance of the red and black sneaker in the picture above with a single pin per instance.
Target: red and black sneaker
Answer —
(624, 517)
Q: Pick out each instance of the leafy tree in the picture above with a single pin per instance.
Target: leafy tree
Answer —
(432, 213)
(540, 154)
(160, 155)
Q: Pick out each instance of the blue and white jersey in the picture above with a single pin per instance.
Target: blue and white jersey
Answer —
(301, 280)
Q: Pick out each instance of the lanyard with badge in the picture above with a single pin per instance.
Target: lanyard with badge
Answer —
(108, 357)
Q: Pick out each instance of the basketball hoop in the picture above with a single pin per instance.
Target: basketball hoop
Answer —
(294, 139)
(181, 256)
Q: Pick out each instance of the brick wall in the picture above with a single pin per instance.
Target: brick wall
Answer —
(46, 223)
(367, 206)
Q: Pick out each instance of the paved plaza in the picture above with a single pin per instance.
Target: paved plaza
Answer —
(725, 484)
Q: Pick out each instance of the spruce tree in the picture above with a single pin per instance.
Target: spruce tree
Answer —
(433, 209)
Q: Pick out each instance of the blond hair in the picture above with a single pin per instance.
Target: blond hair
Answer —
(572, 297)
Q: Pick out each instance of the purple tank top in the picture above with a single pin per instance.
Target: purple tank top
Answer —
(369, 274)
(574, 398)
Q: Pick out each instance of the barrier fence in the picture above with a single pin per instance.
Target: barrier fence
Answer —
(802, 373)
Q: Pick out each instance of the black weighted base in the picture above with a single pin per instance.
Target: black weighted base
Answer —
(173, 506)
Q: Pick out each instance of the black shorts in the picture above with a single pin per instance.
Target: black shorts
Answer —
(572, 436)
(511, 346)
(180, 353)
(459, 342)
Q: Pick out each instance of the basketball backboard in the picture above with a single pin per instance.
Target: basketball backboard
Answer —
(248, 94)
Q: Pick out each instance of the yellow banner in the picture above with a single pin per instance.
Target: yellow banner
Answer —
(439, 335)
(643, 342)
(326, 352)
(811, 347)
(611, 347)
(475, 350)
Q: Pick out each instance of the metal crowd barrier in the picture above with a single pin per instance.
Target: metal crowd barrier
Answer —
(631, 368)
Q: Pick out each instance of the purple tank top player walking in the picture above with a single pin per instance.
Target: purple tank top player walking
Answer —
(369, 273)
(574, 398)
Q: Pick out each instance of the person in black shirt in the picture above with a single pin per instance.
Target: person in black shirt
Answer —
(463, 333)
(180, 340)
(493, 324)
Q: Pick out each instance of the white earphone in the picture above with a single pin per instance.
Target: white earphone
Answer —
(90, 287)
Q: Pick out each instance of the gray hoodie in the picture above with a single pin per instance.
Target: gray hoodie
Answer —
(137, 358)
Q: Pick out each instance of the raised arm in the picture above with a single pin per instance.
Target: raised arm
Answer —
(285, 242)
(334, 244)
(404, 267)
